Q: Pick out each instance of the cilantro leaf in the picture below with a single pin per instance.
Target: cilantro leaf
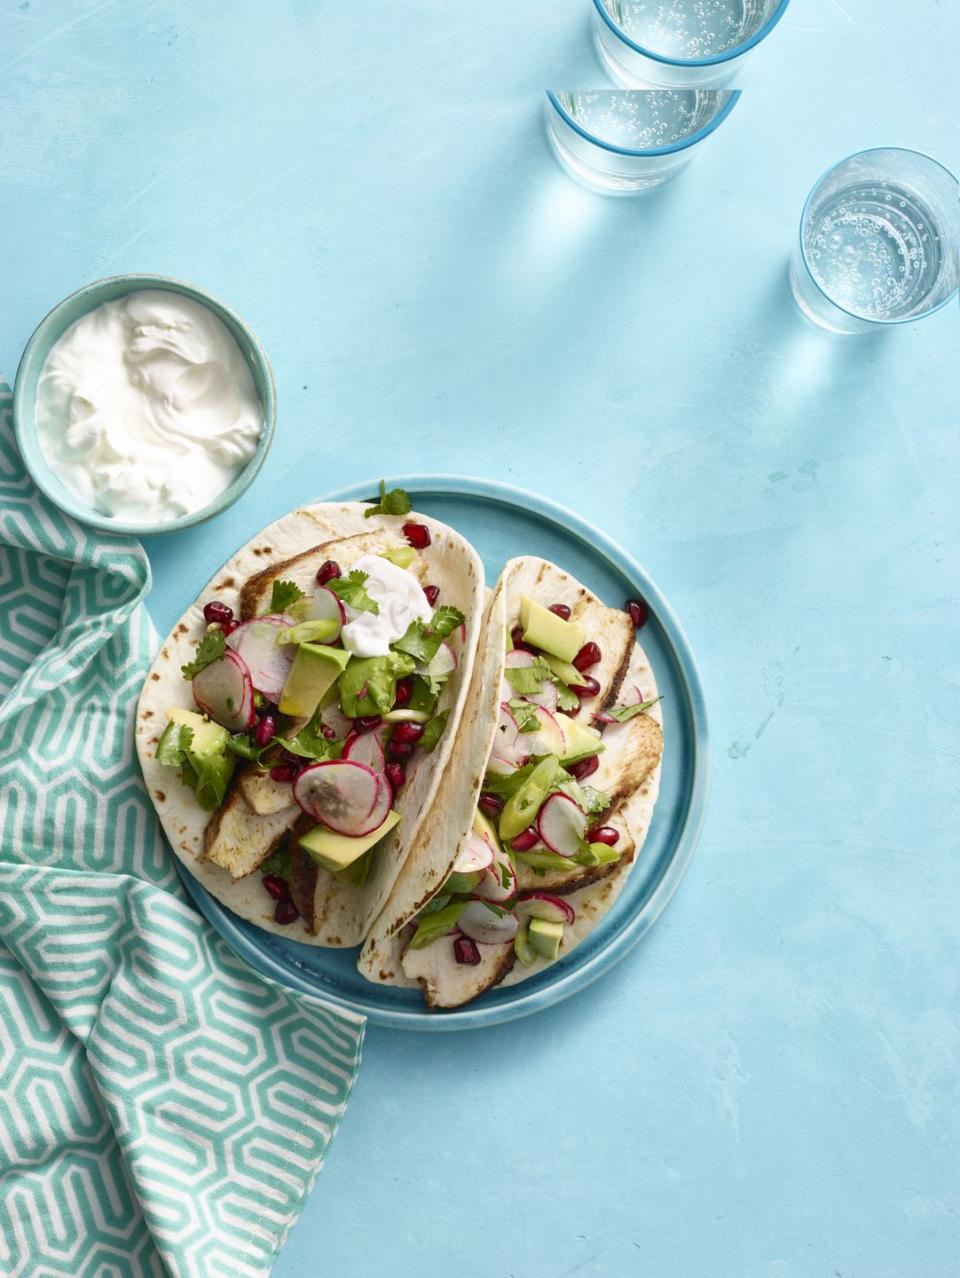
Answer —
(284, 594)
(624, 713)
(528, 679)
(394, 502)
(525, 713)
(351, 590)
(446, 619)
(277, 863)
(433, 731)
(422, 639)
(369, 686)
(208, 774)
(586, 797)
(210, 649)
(310, 742)
(566, 700)
(424, 694)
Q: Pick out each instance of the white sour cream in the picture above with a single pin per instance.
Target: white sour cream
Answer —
(401, 600)
(146, 407)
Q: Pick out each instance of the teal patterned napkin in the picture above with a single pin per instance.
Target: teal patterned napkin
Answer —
(163, 1109)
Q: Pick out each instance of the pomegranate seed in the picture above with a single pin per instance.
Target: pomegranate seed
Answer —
(283, 772)
(527, 838)
(406, 733)
(589, 688)
(395, 774)
(228, 627)
(588, 656)
(638, 612)
(433, 594)
(465, 950)
(418, 535)
(285, 913)
(266, 730)
(585, 768)
(328, 732)
(404, 691)
(516, 638)
(561, 610)
(401, 749)
(604, 834)
(367, 723)
(217, 611)
(276, 886)
(327, 571)
(490, 804)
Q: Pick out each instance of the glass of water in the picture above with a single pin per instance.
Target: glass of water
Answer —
(878, 242)
(680, 44)
(624, 141)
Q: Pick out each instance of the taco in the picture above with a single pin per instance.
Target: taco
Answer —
(554, 777)
(297, 721)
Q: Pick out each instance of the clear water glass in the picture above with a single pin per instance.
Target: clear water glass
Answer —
(625, 141)
(878, 242)
(680, 44)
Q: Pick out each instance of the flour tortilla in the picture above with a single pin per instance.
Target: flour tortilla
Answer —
(629, 771)
(343, 532)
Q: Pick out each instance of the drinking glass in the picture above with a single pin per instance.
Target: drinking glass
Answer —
(624, 141)
(680, 44)
(878, 242)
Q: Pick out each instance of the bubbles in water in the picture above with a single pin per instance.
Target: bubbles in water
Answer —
(644, 119)
(689, 28)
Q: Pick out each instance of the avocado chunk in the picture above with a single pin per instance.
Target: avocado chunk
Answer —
(522, 947)
(335, 852)
(582, 740)
(544, 629)
(315, 670)
(208, 737)
(545, 937)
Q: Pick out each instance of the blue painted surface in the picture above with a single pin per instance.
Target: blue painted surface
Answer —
(768, 1085)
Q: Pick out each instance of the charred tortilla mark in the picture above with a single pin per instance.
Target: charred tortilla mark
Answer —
(155, 677)
(161, 797)
(147, 714)
(181, 628)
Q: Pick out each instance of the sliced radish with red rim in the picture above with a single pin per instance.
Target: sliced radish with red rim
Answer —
(323, 605)
(549, 737)
(268, 661)
(562, 824)
(500, 766)
(475, 854)
(499, 883)
(485, 926)
(224, 691)
(348, 797)
(544, 905)
(365, 747)
(519, 659)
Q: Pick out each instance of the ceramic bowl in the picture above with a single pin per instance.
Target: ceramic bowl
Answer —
(52, 328)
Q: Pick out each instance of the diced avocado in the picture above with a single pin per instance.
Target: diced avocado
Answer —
(402, 556)
(525, 804)
(544, 629)
(462, 884)
(566, 673)
(335, 852)
(545, 937)
(582, 740)
(522, 947)
(208, 737)
(315, 669)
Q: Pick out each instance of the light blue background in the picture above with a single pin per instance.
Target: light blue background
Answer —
(768, 1086)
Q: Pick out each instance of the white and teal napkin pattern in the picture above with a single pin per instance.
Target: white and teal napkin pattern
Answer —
(163, 1109)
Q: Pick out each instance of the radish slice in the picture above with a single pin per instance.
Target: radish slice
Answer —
(544, 905)
(491, 887)
(344, 795)
(365, 747)
(517, 659)
(268, 661)
(341, 726)
(482, 925)
(548, 697)
(381, 807)
(505, 739)
(324, 605)
(549, 737)
(500, 766)
(475, 854)
(223, 690)
(444, 662)
(562, 824)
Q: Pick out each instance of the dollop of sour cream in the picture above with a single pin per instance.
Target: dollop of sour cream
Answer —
(146, 407)
(400, 598)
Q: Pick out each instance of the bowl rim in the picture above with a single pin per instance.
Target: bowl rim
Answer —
(28, 440)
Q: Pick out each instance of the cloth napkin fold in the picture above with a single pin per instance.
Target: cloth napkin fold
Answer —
(163, 1108)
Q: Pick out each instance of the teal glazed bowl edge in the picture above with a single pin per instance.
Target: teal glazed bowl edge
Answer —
(49, 331)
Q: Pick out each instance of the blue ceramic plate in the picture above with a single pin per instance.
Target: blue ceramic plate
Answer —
(502, 522)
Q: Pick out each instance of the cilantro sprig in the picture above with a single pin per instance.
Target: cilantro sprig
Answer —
(394, 502)
(422, 639)
(352, 590)
(283, 595)
(623, 714)
(210, 649)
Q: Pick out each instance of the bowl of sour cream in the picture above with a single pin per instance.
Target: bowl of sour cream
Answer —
(143, 405)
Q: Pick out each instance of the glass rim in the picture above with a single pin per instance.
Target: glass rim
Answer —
(715, 60)
(682, 145)
(867, 319)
